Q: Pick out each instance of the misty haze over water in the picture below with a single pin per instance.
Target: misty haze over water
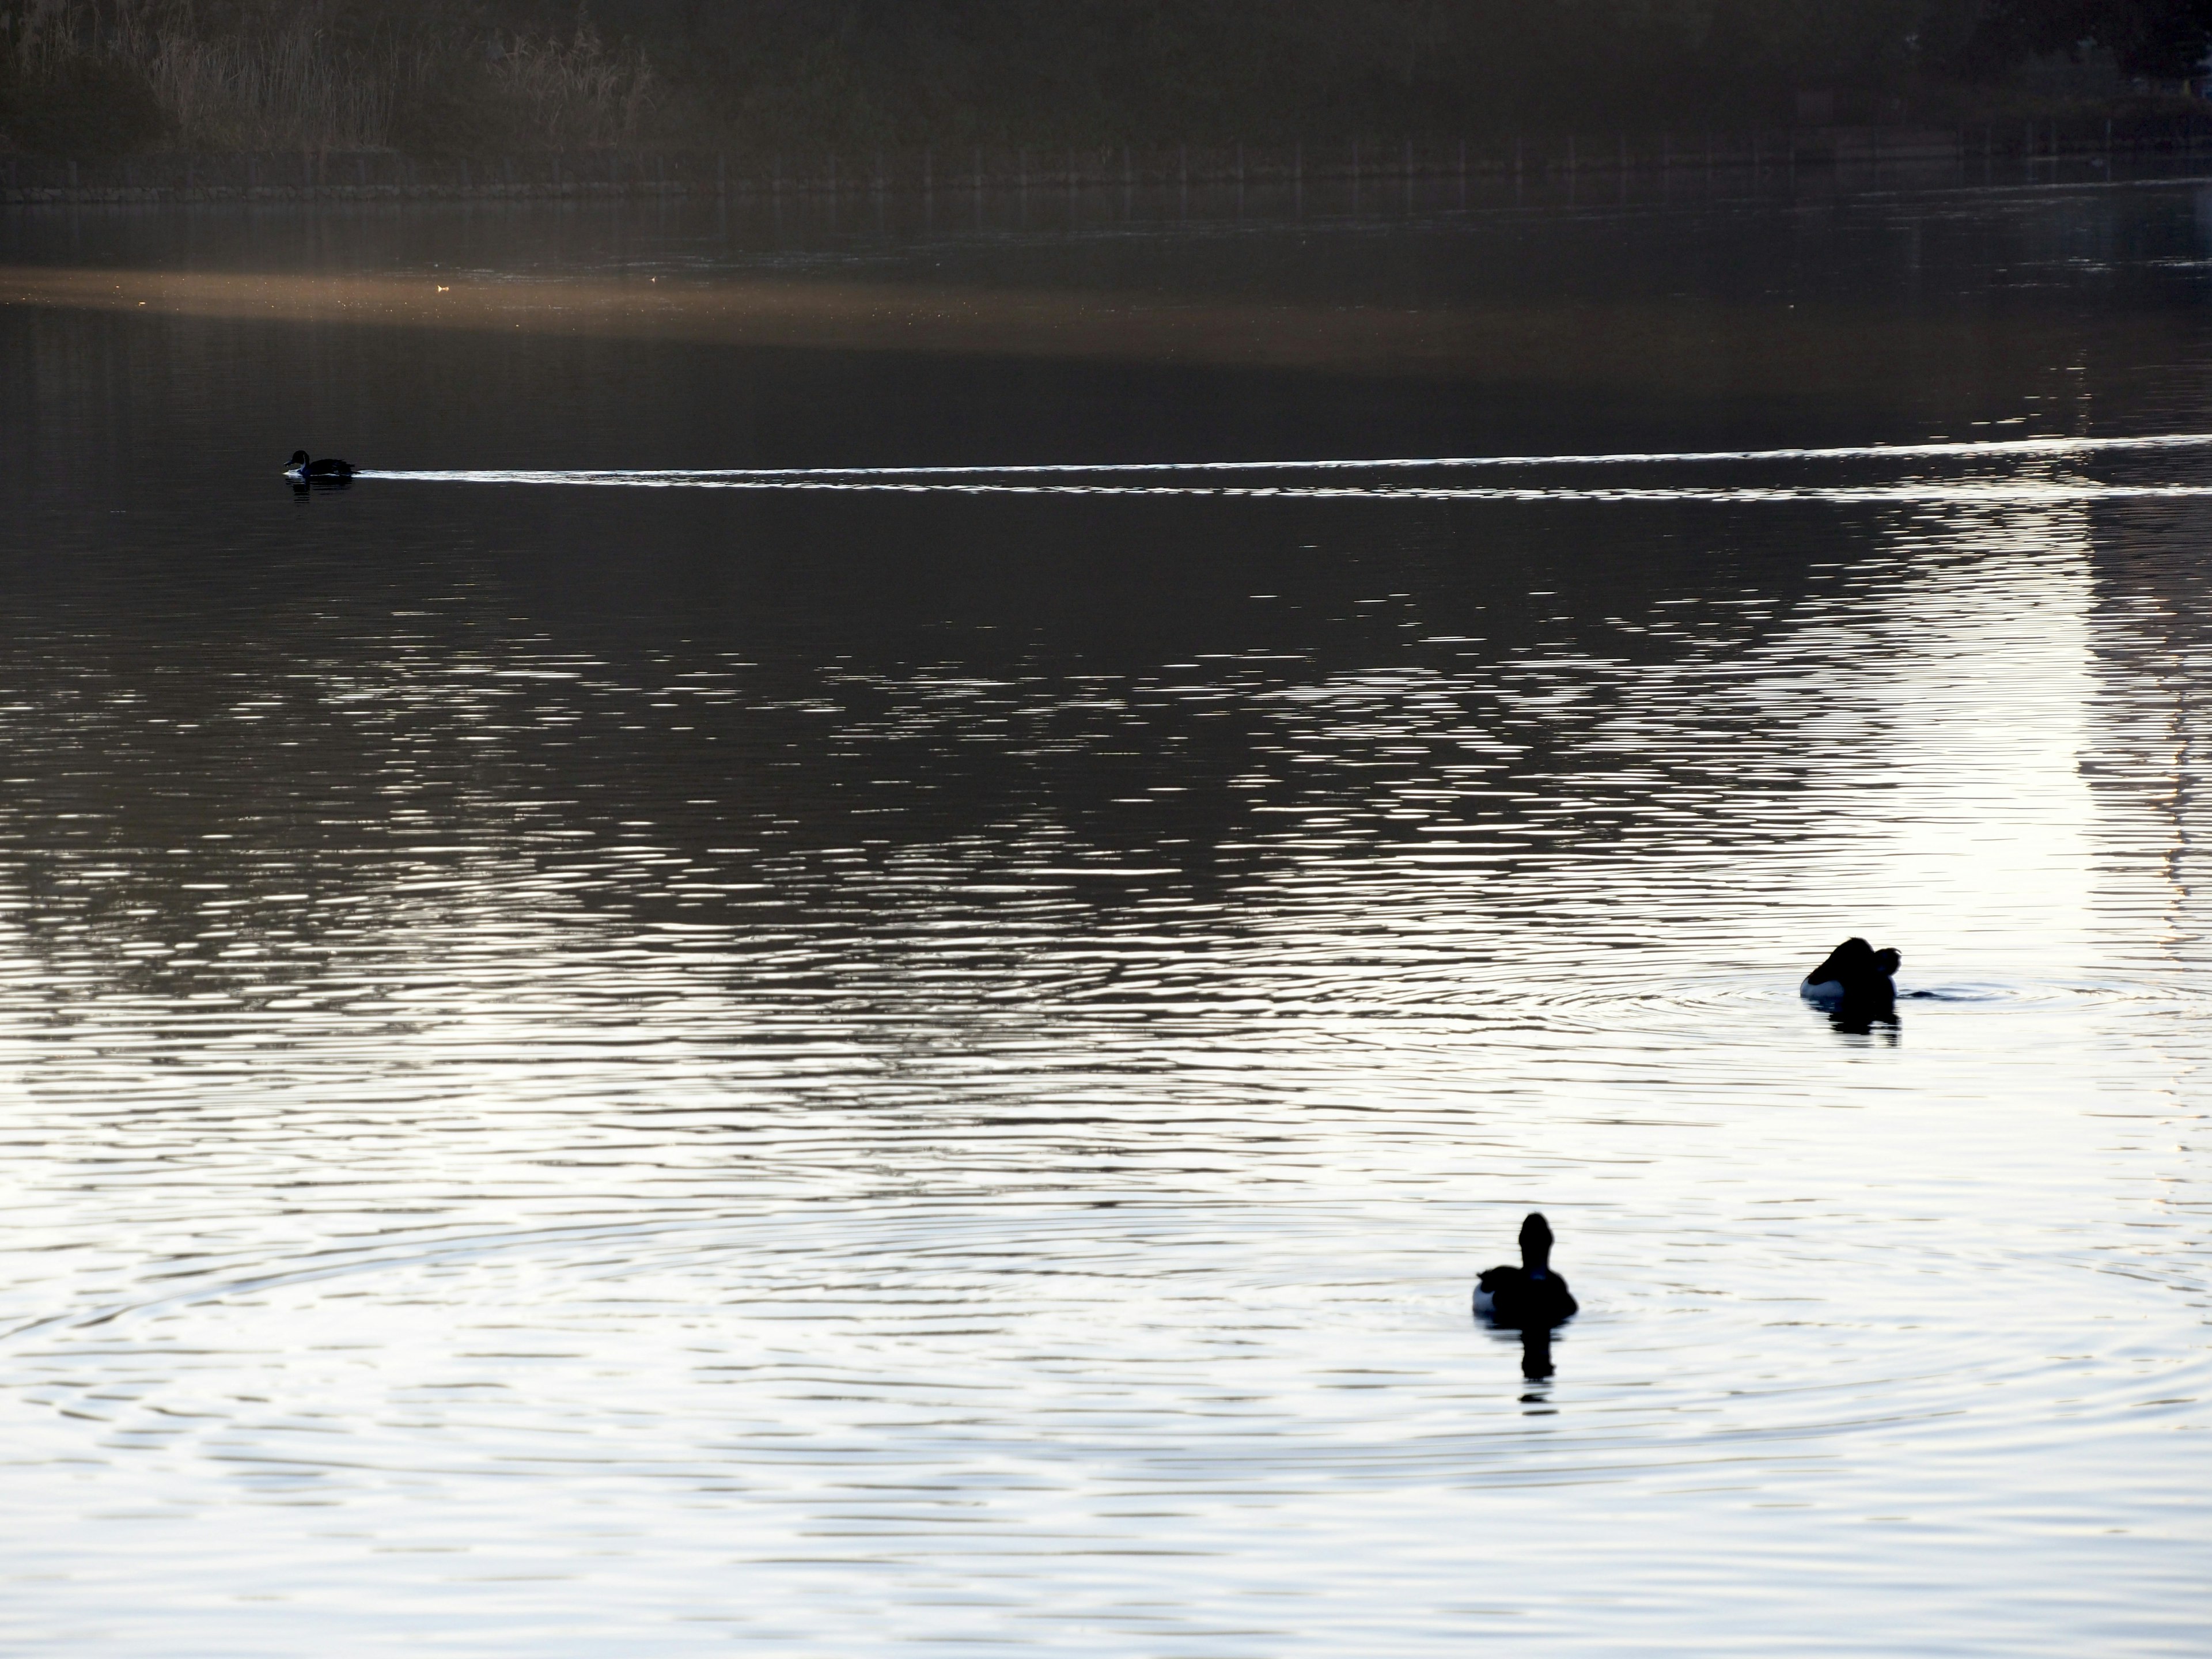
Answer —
(615, 1039)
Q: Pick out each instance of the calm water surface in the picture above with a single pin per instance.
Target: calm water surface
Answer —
(596, 1069)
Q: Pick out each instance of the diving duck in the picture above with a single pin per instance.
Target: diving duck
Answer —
(300, 468)
(1530, 1296)
(1854, 972)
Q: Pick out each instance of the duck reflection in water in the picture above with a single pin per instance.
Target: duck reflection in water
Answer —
(1860, 1019)
(1530, 1298)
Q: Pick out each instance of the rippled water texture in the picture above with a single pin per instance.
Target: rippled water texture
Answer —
(928, 1066)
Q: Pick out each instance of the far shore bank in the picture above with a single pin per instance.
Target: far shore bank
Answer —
(387, 176)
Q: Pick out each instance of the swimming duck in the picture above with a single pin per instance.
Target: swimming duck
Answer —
(1854, 972)
(1530, 1296)
(300, 467)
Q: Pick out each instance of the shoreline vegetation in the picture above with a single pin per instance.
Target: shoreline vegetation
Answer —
(1548, 161)
(179, 97)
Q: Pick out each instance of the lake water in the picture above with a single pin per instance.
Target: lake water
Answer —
(831, 1065)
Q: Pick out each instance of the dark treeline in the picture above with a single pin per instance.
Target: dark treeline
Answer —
(489, 75)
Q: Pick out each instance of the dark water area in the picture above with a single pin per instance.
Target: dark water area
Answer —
(856, 1062)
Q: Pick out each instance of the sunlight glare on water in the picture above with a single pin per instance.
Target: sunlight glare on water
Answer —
(593, 1070)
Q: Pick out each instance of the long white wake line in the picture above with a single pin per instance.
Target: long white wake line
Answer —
(1993, 447)
(1963, 494)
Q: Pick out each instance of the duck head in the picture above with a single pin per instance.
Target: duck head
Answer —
(1535, 1244)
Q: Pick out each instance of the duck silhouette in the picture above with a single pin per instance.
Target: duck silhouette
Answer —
(299, 469)
(1854, 972)
(1529, 1297)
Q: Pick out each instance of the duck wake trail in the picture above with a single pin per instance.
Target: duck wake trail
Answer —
(1422, 477)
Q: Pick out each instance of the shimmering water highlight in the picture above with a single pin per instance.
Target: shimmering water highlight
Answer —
(809, 1061)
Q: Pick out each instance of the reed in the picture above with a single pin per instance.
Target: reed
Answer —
(292, 89)
(789, 77)
(106, 75)
(572, 92)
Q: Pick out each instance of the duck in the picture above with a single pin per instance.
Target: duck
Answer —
(299, 467)
(1853, 972)
(1530, 1296)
